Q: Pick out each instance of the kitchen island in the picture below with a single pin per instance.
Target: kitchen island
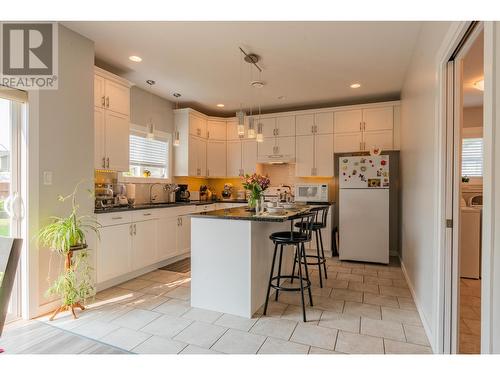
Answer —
(231, 256)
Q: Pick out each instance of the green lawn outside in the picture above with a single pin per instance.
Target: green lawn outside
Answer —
(4, 227)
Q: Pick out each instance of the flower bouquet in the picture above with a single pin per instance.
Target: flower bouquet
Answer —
(256, 184)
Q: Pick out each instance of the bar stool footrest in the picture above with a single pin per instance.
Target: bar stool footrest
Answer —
(321, 260)
(307, 284)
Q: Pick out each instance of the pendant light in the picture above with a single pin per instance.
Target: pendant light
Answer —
(150, 126)
(260, 135)
(251, 127)
(176, 142)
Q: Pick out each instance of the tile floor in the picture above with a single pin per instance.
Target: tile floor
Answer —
(470, 316)
(362, 308)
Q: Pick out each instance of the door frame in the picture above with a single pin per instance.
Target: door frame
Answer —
(447, 238)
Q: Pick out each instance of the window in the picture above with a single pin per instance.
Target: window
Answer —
(149, 158)
(472, 157)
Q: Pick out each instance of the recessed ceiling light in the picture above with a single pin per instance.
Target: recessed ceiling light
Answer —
(281, 97)
(479, 85)
(176, 95)
(220, 105)
(355, 86)
(135, 58)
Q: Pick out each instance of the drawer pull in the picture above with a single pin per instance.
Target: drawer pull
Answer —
(148, 214)
(116, 218)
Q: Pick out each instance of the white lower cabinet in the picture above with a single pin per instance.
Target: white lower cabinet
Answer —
(114, 251)
(144, 244)
(184, 235)
(167, 237)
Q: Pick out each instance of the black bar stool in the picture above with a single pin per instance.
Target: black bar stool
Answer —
(296, 239)
(319, 259)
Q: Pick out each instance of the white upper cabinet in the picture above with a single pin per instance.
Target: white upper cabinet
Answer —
(117, 97)
(314, 123)
(376, 119)
(348, 142)
(323, 155)
(232, 130)
(216, 159)
(111, 121)
(323, 123)
(348, 121)
(268, 127)
(234, 166)
(249, 156)
(304, 163)
(197, 126)
(285, 126)
(216, 130)
(117, 135)
(360, 129)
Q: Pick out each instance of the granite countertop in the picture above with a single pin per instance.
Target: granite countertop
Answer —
(147, 206)
(241, 213)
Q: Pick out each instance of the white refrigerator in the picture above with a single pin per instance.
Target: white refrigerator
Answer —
(364, 208)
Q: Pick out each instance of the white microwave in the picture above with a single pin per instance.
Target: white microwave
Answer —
(311, 193)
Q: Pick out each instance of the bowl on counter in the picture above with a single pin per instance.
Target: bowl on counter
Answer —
(276, 210)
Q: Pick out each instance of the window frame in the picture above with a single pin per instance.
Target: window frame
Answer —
(161, 135)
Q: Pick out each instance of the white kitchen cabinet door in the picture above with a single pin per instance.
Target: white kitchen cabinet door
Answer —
(323, 150)
(216, 130)
(202, 157)
(114, 252)
(197, 126)
(323, 123)
(167, 238)
(99, 139)
(117, 141)
(378, 119)
(286, 146)
(184, 235)
(304, 124)
(249, 156)
(285, 126)
(232, 130)
(382, 139)
(266, 149)
(193, 156)
(347, 142)
(144, 244)
(304, 156)
(99, 95)
(216, 159)
(234, 158)
(348, 121)
(117, 97)
(268, 127)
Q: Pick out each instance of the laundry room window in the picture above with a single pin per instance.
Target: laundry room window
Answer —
(472, 157)
(150, 158)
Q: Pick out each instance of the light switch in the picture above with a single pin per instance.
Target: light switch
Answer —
(47, 177)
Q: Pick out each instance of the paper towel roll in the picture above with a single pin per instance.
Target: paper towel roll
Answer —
(131, 191)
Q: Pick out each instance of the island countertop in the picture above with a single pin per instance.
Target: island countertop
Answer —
(241, 213)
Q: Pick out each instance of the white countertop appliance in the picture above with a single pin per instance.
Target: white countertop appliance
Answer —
(364, 208)
(311, 193)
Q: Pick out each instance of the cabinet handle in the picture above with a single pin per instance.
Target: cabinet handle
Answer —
(208, 134)
(364, 126)
(104, 162)
(360, 126)
(315, 128)
(116, 218)
(103, 101)
(130, 229)
(181, 220)
(107, 102)
(107, 163)
(135, 229)
(361, 146)
(148, 214)
(208, 172)
(312, 128)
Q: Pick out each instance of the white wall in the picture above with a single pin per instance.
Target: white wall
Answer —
(419, 160)
(65, 147)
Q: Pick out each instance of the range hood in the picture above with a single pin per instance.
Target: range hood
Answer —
(276, 159)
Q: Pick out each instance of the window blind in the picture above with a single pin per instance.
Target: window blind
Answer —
(472, 157)
(147, 152)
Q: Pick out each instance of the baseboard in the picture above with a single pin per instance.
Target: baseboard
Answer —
(427, 329)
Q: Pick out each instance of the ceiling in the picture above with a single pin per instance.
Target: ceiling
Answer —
(310, 64)
(473, 71)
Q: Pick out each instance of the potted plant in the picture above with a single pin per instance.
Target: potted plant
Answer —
(255, 184)
(66, 236)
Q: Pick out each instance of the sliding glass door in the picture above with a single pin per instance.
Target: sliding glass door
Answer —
(11, 204)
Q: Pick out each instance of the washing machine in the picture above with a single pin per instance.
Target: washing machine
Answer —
(470, 241)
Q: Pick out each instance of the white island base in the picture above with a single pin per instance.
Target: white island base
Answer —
(230, 263)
